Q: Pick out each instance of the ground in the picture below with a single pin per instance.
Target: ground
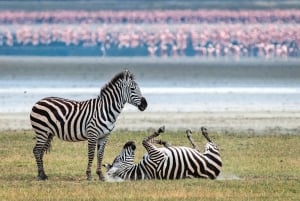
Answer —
(249, 122)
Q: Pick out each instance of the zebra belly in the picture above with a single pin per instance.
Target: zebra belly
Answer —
(181, 163)
(72, 132)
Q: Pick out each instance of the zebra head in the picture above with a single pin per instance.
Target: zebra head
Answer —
(133, 93)
(122, 161)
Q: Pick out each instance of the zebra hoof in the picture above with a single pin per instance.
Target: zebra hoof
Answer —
(188, 132)
(161, 129)
(101, 177)
(42, 176)
(203, 129)
(89, 175)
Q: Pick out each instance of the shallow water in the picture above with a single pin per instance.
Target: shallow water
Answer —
(180, 84)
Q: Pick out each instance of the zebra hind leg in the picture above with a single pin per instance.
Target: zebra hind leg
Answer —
(205, 134)
(189, 135)
(38, 152)
(39, 149)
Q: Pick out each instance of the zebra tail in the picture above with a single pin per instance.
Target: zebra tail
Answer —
(47, 148)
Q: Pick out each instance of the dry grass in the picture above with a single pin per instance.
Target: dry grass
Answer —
(255, 168)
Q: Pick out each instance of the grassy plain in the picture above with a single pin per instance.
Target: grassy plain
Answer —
(264, 167)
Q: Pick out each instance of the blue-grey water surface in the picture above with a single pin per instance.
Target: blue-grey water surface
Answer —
(177, 84)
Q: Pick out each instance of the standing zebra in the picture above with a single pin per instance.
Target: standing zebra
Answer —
(90, 120)
(167, 162)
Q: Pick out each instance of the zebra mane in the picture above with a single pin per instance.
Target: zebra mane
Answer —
(122, 75)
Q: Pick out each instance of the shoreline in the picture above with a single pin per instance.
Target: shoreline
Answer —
(243, 122)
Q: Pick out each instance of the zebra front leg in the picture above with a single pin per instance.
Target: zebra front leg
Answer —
(151, 149)
(155, 134)
(100, 152)
(91, 153)
(161, 142)
(189, 135)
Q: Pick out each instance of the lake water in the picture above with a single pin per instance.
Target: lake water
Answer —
(177, 84)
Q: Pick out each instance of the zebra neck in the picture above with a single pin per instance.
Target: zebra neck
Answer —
(111, 106)
(134, 172)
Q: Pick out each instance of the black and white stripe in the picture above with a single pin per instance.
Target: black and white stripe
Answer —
(90, 120)
(167, 162)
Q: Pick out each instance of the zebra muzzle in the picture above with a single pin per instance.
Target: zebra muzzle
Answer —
(143, 104)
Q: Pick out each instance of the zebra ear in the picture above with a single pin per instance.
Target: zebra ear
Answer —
(128, 75)
(107, 166)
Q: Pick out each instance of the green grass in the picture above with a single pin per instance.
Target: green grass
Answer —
(255, 168)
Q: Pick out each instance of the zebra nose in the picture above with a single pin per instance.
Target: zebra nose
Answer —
(143, 104)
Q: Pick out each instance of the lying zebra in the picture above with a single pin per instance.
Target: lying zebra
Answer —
(168, 162)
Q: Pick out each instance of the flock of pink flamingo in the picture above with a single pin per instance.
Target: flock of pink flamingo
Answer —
(274, 33)
(152, 16)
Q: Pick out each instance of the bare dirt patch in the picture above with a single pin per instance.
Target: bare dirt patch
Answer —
(250, 122)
